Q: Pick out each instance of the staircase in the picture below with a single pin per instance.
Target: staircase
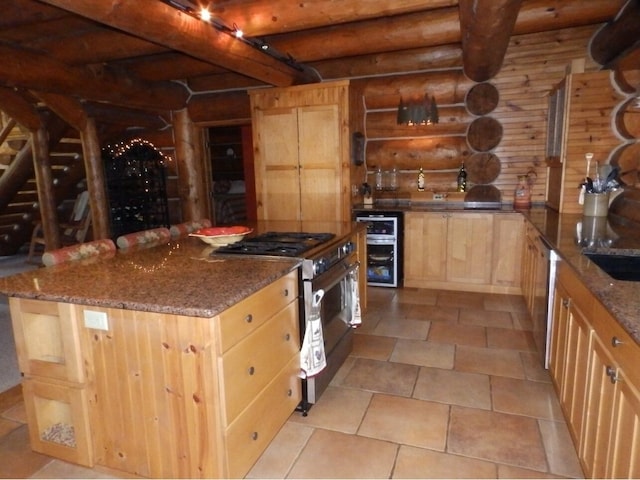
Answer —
(19, 209)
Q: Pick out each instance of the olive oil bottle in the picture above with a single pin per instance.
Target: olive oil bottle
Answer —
(462, 179)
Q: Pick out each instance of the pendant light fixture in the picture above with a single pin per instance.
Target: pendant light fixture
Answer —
(421, 112)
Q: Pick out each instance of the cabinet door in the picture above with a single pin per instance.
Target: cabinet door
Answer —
(559, 336)
(573, 390)
(469, 238)
(425, 248)
(624, 444)
(276, 164)
(320, 166)
(507, 249)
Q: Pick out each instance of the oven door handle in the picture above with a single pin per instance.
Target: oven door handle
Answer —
(332, 277)
(385, 240)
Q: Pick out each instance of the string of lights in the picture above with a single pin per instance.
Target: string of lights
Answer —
(205, 15)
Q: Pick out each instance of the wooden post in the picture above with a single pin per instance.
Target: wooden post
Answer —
(96, 184)
(44, 182)
(192, 179)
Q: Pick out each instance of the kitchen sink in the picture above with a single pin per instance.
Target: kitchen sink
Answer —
(618, 266)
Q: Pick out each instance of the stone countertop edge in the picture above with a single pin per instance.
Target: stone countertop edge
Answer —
(179, 278)
(620, 298)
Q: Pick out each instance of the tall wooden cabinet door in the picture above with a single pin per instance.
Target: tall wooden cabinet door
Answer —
(573, 391)
(469, 248)
(594, 445)
(424, 248)
(559, 326)
(276, 164)
(508, 234)
(624, 443)
(320, 165)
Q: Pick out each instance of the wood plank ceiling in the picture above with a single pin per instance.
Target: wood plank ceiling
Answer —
(149, 57)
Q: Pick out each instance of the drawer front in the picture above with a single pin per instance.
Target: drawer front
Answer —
(240, 320)
(58, 418)
(250, 365)
(252, 431)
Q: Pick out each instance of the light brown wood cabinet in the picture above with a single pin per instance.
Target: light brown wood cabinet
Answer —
(594, 369)
(301, 152)
(162, 395)
(466, 251)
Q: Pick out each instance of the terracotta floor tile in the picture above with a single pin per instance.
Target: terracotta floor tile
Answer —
(506, 363)
(416, 296)
(505, 303)
(423, 353)
(343, 371)
(7, 426)
(461, 300)
(533, 367)
(485, 318)
(457, 334)
(415, 462)
(59, 469)
(497, 437)
(17, 460)
(561, 453)
(509, 471)
(454, 388)
(381, 294)
(282, 452)
(373, 346)
(523, 397)
(510, 339)
(406, 421)
(340, 409)
(337, 455)
(434, 314)
(382, 377)
(369, 322)
(521, 321)
(17, 413)
(402, 328)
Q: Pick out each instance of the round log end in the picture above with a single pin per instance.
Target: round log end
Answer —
(484, 134)
(482, 99)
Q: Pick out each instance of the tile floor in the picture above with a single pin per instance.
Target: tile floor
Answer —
(439, 385)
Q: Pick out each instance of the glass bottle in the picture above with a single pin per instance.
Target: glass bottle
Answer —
(393, 179)
(522, 193)
(421, 180)
(379, 178)
(462, 179)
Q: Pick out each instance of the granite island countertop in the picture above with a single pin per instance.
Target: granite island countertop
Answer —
(180, 277)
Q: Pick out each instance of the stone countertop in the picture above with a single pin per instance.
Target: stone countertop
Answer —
(597, 234)
(180, 278)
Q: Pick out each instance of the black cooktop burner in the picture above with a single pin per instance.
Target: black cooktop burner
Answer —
(284, 244)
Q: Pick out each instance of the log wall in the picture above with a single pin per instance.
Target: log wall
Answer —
(532, 66)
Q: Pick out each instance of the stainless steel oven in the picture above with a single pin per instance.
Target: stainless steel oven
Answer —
(334, 271)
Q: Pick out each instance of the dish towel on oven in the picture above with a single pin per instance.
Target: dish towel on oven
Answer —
(356, 313)
(312, 356)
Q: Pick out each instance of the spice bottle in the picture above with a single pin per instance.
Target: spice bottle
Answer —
(421, 180)
(379, 184)
(462, 179)
(522, 193)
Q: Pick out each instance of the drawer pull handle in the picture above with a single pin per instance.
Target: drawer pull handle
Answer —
(248, 318)
(615, 342)
(289, 392)
(286, 292)
(251, 370)
(565, 302)
(254, 436)
(287, 336)
(611, 373)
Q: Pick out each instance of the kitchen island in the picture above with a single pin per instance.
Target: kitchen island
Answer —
(164, 361)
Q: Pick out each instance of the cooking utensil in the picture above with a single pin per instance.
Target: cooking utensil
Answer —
(583, 188)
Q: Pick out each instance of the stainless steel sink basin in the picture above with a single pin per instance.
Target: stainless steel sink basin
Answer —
(620, 267)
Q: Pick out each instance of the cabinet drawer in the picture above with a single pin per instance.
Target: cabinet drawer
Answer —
(47, 339)
(243, 318)
(251, 432)
(620, 345)
(58, 420)
(249, 366)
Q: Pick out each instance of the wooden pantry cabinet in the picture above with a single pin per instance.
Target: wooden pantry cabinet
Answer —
(594, 369)
(301, 152)
(161, 395)
(468, 251)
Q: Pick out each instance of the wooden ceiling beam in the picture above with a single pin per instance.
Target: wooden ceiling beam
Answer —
(19, 108)
(485, 32)
(617, 36)
(157, 22)
(41, 73)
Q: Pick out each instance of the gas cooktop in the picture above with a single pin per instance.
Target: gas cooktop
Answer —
(284, 244)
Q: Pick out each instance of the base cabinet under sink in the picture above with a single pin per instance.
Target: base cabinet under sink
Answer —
(594, 370)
